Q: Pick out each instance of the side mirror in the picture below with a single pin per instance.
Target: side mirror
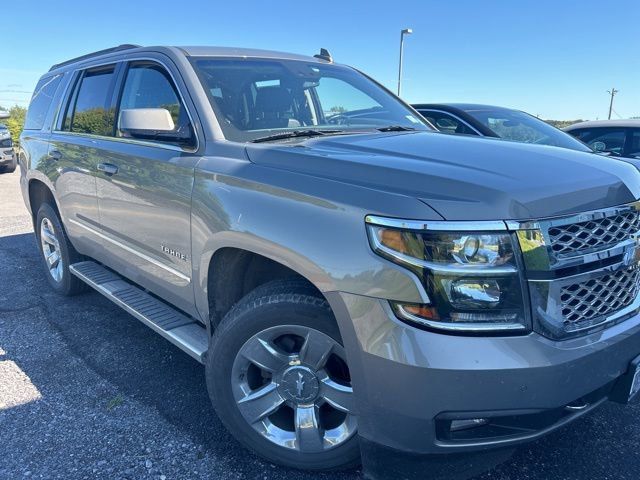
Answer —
(145, 121)
(154, 124)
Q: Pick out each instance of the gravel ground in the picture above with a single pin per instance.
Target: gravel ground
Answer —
(86, 391)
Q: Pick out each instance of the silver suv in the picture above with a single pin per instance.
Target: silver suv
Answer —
(8, 162)
(357, 285)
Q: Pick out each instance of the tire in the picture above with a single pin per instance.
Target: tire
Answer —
(53, 243)
(288, 317)
(11, 168)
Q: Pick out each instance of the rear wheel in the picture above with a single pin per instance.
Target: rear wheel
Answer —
(57, 252)
(278, 377)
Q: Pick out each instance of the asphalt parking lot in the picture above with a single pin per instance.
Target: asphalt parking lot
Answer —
(86, 391)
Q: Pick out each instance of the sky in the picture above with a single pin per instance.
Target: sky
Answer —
(552, 58)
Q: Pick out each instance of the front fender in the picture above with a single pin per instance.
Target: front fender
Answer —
(301, 222)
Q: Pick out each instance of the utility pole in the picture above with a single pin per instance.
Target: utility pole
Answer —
(611, 92)
(406, 31)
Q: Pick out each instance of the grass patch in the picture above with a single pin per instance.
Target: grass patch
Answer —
(115, 402)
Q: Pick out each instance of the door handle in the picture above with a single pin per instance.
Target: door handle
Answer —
(55, 155)
(108, 168)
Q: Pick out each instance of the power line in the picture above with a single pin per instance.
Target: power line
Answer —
(15, 91)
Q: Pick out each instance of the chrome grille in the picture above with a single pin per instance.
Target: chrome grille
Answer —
(597, 297)
(593, 234)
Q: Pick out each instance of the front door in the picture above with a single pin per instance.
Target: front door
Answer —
(144, 189)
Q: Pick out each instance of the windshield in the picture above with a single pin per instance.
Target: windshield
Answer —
(257, 98)
(521, 127)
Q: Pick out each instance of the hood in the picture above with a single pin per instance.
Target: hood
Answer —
(463, 178)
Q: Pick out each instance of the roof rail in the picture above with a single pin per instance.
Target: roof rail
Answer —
(125, 46)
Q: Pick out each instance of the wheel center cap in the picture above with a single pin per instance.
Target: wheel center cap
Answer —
(299, 384)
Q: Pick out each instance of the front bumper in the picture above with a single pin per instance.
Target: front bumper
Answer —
(6, 156)
(410, 383)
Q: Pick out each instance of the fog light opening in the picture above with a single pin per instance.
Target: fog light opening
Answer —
(458, 425)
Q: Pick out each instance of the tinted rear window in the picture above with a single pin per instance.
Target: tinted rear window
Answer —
(92, 112)
(41, 102)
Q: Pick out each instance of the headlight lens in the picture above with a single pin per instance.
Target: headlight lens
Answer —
(471, 277)
(471, 248)
(6, 143)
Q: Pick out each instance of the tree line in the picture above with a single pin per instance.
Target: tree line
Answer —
(15, 122)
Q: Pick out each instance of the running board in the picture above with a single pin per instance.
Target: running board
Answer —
(181, 330)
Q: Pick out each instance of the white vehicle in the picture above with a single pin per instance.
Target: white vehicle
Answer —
(8, 162)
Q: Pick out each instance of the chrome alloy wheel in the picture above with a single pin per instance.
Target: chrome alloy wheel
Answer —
(51, 249)
(292, 385)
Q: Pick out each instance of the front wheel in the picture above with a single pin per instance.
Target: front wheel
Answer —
(278, 377)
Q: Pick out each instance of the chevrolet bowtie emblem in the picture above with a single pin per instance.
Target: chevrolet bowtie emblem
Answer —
(300, 384)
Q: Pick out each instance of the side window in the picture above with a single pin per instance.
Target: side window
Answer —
(148, 85)
(91, 110)
(634, 148)
(41, 102)
(577, 134)
(447, 123)
(510, 128)
(605, 139)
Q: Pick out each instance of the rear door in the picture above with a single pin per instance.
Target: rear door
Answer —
(84, 125)
(144, 189)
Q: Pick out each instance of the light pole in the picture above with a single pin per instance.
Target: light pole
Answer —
(611, 92)
(406, 31)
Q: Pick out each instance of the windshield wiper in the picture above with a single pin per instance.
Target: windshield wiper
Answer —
(395, 128)
(295, 134)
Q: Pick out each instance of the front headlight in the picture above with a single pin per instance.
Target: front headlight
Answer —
(471, 277)
(6, 143)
